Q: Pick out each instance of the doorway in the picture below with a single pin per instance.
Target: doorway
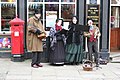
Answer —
(115, 29)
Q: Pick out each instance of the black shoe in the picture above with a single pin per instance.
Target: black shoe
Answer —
(39, 65)
(35, 66)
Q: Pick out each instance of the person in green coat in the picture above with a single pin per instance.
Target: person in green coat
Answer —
(74, 43)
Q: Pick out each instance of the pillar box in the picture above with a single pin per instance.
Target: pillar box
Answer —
(17, 39)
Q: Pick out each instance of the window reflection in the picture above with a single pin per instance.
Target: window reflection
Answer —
(51, 0)
(8, 0)
(93, 1)
(68, 11)
(51, 7)
(114, 1)
(32, 7)
(115, 17)
(7, 14)
(51, 10)
(68, 0)
(5, 42)
(35, 0)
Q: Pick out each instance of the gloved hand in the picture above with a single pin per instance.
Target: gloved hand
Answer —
(38, 32)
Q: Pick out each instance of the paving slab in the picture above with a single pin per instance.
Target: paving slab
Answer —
(23, 71)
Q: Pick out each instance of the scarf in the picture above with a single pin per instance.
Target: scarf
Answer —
(58, 28)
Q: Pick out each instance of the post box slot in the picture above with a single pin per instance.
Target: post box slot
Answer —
(16, 25)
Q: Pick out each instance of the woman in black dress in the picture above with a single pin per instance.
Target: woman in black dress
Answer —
(74, 43)
(57, 40)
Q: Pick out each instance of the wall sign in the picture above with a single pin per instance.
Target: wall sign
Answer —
(93, 13)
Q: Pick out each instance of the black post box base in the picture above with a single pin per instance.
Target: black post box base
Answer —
(17, 58)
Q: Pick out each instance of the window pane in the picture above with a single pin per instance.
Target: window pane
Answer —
(51, 7)
(35, 0)
(51, 0)
(114, 1)
(68, 0)
(32, 7)
(5, 42)
(8, 0)
(7, 14)
(115, 17)
(52, 13)
(68, 11)
(93, 1)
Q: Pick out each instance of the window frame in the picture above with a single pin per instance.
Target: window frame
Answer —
(44, 3)
(15, 3)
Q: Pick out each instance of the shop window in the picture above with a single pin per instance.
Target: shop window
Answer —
(115, 1)
(93, 1)
(5, 42)
(7, 13)
(35, 0)
(115, 17)
(68, 0)
(8, 0)
(67, 11)
(53, 9)
(51, 0)
(52, 13)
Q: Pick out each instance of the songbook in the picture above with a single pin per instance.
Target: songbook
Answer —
(82, 28)
(63, 31)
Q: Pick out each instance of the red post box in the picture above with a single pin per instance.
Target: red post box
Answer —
(17, 39)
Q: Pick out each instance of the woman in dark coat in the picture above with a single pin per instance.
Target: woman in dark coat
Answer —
(57, 40)
(74, 45)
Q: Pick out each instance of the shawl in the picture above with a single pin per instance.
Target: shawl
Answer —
(53, 39)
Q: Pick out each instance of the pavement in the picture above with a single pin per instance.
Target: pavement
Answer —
(10, 70)
(115, 57)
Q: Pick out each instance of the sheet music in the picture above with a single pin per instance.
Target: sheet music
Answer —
(66, 24)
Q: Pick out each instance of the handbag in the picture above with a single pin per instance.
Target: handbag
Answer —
(42, 36)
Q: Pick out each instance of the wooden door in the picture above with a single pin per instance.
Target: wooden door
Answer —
(115, 39)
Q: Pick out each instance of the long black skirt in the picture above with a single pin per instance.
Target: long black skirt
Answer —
(58, 54)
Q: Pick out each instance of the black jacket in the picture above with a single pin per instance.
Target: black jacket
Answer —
(73, 36)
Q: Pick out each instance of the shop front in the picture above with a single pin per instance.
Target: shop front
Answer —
(24, 9)
(50, 11)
